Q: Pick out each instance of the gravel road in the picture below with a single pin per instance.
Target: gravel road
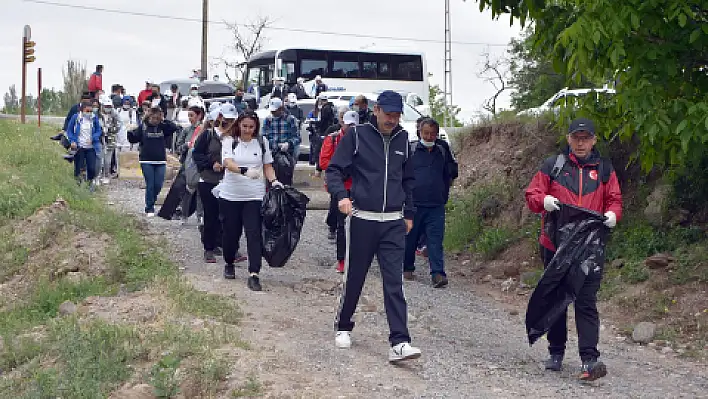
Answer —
(471, 347)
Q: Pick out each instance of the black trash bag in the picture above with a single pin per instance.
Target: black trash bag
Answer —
(284, 165)
(579, 236)
(283, 213)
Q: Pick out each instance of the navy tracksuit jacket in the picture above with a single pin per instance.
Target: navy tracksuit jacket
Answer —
(382, 183)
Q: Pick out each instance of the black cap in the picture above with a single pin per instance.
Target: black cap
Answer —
(582, 125)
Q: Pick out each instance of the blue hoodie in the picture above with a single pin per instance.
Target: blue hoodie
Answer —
(74, 129)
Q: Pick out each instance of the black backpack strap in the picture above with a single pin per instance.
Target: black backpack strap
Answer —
(605, 170)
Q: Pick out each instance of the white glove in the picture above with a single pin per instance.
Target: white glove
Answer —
(283, 146)
(276, 184)
(611, 220)
(551, 203)
(253, 173)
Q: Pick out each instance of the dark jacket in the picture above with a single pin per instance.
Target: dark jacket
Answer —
(579, 184)
(72, 111)
(299, 90)
(433, 176)
(320, 88)
(327, 118)
(279, 92)
(382, 174)
(365, 115)
(297, 113)
(154, 140)
(207, 152)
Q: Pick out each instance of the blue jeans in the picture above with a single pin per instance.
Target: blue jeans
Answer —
(154, 175)
(85, 156)
(428, 221)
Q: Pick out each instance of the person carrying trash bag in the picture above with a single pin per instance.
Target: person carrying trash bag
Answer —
(283, 214)
(588, 183)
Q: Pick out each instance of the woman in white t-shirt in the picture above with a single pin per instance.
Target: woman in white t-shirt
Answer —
(248, 162)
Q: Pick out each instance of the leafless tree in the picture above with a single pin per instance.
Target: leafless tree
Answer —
(248, 39)
(494, 71)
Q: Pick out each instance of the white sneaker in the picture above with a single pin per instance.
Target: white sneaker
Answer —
(105, 181)
(343, 339)
(150, 214)
(402, 351)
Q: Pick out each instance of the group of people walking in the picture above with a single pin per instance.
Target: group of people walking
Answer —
(388, 195)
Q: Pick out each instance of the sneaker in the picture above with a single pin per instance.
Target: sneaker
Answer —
(554, 363)
(105, 181)
(408, 276)
(439, 281)
(401, 352)
(332, 235)
(56, 137)
(340, 266)
(230, 271)
(343, 339)
(218, 251)
(254, 283)
(422, 251)
(240, 258)
(209, 257)
(150, 214)
(592, 370)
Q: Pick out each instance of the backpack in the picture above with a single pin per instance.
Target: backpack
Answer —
(602, 168)
(191, 172)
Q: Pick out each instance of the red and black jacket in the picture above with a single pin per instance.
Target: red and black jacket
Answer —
(578, 183)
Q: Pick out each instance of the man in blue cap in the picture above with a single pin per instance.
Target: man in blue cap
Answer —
(380, 214)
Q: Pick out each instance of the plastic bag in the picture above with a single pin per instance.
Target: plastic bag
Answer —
(579, 236)
(284, 165)
(283, 213)
(191, 173)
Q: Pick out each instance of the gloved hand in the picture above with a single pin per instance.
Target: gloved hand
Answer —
(253, 173)
(551, 203)
(283, 146)
(611, 219)
(276, 184)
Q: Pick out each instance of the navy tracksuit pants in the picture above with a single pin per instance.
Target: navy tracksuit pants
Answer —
(386, 240)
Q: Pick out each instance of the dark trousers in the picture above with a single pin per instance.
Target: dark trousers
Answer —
(587, 319)
(237, 216)
(154, 175)
(85, 157)
(332, 214)
(211, 230)
(386, 240)
(428, 221)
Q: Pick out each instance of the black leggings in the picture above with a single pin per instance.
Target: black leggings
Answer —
(211, 231)
(235, 217)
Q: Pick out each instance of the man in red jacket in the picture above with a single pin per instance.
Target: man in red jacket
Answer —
(581, 178)
(95, 83)
(145, 93)
(329, 145)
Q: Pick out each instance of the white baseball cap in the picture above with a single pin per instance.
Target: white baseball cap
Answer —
(318, 77)
(214, 106)
(195, 102)
(228, 111)
(148, 80)
(274, 104)
(351, 118)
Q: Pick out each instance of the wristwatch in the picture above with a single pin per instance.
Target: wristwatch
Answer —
(243, 170)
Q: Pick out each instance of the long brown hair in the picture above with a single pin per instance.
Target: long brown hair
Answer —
(235, 130)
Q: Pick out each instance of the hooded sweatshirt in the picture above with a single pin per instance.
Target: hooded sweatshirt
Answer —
(153, 139)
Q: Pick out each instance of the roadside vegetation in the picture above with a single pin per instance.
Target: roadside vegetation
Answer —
(88, 300)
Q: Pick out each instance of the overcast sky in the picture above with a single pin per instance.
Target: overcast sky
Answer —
(134, 48)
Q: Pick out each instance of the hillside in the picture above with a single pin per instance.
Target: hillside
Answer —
(657, 257)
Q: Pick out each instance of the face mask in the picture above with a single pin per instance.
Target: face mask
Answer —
(319, 107)
(126, 106)
(88, 115)
(107, 110)
(427, 144)
(95, 110)
(194, 93)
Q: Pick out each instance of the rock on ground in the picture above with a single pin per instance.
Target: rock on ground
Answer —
(644, 332)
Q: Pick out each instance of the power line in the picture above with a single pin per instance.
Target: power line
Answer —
(276, 28)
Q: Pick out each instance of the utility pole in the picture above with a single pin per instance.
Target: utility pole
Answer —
(27, 57)
(447, 85)
(205, 31)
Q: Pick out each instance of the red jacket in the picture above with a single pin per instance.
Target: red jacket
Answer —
(95, 82)
(327, 151)
(576, 184)
(143, 95)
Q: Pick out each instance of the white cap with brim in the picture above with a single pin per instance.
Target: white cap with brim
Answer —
(228, 111)
(213, 113)
(214, 106)
(275, 104)
(351, 118)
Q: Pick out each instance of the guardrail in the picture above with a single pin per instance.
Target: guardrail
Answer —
(52, 120)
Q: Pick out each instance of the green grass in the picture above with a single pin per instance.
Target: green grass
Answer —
(465, 221)
(77, 359)
(492, 241)
(251, 388)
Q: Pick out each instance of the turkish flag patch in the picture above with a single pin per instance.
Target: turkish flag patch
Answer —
(593, 174)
